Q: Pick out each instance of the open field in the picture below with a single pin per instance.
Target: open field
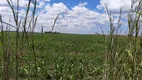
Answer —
(26, 55)
(64, 56)
(60, 56)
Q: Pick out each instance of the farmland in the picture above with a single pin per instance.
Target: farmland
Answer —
(27, 55)
(64, 56)
(60, 56)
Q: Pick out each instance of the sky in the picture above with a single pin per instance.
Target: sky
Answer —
(75, 16)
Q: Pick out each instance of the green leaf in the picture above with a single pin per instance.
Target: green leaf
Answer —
(129, 53)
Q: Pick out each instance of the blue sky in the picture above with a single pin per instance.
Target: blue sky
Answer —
(75, 16)
(71, 3)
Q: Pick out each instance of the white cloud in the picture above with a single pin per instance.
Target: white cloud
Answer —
(56, 8)
(75, 20)
(83, 4)
(115, 5)
(41, 4)
(22, 3)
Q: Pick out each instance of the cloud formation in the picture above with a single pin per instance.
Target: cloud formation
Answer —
(115, 5)
(76, 19)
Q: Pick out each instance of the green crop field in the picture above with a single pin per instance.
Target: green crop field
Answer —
(59, 56)
(27, 55)
(64, 56)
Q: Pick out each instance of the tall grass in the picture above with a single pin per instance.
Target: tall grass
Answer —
(54, 23)
(17, 48)
(76, 57)
(124, 62)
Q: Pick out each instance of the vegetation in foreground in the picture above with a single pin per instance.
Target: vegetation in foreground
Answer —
(60, 56)
(27, 56)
